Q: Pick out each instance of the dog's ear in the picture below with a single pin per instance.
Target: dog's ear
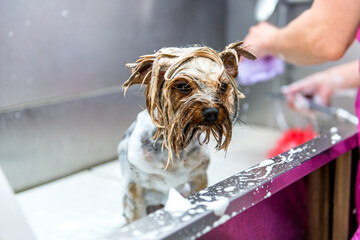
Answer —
(140, 72)
(231, 56)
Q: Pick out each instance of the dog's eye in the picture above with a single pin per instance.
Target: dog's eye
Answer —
(183, 87)
(224, 87)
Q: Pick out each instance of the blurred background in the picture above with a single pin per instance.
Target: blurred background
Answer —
(62, 64)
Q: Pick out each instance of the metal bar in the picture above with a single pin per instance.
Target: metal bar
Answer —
(243, 190)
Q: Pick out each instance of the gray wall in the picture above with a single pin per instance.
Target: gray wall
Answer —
(62, 65)
(56, 48)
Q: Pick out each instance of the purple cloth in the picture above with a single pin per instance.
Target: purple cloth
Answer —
(263, 69)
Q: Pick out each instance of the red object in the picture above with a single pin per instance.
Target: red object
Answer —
(292, 138)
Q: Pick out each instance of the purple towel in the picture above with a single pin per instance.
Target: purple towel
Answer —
(263, 69)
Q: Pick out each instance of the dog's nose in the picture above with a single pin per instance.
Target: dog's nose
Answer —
(210, 114)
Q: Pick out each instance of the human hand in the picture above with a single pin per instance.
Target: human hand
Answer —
(319, 87)
(261, 39)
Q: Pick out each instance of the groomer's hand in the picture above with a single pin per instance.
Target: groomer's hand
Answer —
(261, 39)
(319, 87)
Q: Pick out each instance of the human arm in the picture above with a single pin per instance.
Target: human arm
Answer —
(322, 85)
(320, 34)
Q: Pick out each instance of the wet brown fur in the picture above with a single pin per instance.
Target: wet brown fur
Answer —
(136, 194)
(178, 115)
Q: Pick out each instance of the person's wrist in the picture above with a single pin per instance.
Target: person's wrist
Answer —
(274, 44)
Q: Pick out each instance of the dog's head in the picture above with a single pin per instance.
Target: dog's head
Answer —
(190, 91)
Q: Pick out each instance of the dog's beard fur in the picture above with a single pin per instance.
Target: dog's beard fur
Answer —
(179, 118)
(183, 122)
(188, 123)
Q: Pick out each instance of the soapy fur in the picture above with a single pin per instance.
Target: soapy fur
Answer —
(162, 149)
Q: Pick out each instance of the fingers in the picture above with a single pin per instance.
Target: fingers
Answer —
(325, 95)
(302, 86)
(259, 39)
(298, 90)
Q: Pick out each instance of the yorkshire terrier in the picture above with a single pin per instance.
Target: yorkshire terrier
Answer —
(190, 95)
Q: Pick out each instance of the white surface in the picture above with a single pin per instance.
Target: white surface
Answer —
(13, 225)
(88, 205)
(84, 206)
(248, 147)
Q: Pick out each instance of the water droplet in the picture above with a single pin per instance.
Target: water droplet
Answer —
(65, 13)
(10, 34)
(17, 115)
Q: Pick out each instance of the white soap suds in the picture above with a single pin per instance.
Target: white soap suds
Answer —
(186, 218)
(266, 163)
(206, 198)
(206, 229)
(219, 197)
(176, 204)
(219, 207)
(291, 152)
(229, 189)
(221, 220)
(335, 138)
(333, 130)
(268, 195)
(200, 210)
(203, 191)
(192, 211)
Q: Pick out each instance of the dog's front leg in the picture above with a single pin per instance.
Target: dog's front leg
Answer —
(134, 207)
(200, 157)
(198, 182)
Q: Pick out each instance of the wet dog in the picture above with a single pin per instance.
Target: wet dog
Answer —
(190, 95)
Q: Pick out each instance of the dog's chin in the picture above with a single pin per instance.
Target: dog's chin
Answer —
(190, 123)
(220, 132)
(209, 124)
